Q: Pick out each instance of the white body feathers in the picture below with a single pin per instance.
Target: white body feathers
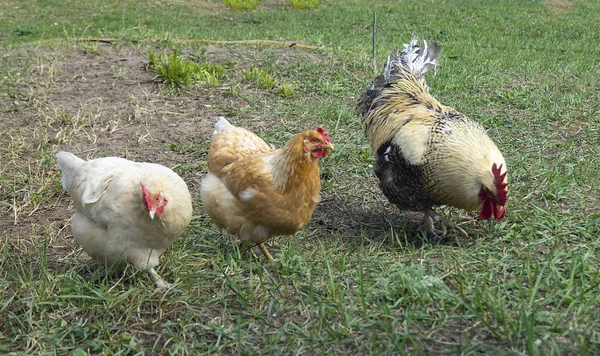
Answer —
(111, 222)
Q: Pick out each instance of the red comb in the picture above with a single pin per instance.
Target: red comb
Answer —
(324, 134)
(146, 194)
(500, 184)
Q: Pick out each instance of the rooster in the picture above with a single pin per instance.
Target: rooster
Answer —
(429, 154)
(125, 211)
(257, 192)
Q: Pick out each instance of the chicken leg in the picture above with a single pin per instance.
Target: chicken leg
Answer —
(161, 285)
(265, 252)
(261, 246)
(430, 215)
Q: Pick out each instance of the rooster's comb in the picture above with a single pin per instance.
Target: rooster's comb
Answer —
(324, 134)
(501, 185)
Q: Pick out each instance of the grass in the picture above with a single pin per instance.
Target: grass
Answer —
(305, 4)
(264, 80)
(360, 278)
(178, 71)
(261, 77)
(241, 4)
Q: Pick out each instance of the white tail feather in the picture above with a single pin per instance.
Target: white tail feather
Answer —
(222, 125)
(419, 59)
(68, 163)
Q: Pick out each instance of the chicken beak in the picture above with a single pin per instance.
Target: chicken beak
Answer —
(152, 212)
(499, 212)
(328, 145)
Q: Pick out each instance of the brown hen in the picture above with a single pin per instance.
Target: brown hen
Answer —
(257, 192)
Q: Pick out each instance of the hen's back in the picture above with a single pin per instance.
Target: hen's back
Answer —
(230, 143)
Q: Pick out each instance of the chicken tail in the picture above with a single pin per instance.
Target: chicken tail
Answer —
(414, 59)
(222, 125)
(68, 163)
(418, 58)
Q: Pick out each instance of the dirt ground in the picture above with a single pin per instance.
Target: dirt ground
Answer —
(94, 100)
(98, 100)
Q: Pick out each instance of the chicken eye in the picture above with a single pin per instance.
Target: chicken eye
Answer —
(313, 139)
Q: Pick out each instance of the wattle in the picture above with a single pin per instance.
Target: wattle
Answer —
(490, 208)
(486, 209)
(319, 152)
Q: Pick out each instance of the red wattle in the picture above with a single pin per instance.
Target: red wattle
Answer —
(486, 209)
(319, 152)
(160, 210)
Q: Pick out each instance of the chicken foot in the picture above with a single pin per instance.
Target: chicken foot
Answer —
(262, 248)
(161, 285)
(265, 252)
(430, 215)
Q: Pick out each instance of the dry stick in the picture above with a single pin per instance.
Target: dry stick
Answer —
(374, 62)
(252, 42)
(192, 41)
(78, 39)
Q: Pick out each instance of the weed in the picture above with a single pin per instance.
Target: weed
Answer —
(234, 90)
(286, 89)
(261, 77)
(177, 71)
(26, 30)
(305, 4)
(241, 4)
(91, 48)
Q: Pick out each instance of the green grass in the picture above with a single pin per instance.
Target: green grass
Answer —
(264, 80)
(178, 71)
(360, 278)
(241, 4)
(305, 4)
(261, 77)
(285, 89)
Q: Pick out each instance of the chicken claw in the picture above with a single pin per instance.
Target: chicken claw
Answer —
(265, 252)
(262, 248)
(161, 285)
(431, 215)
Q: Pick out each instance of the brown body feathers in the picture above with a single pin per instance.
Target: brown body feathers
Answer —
(255, 191)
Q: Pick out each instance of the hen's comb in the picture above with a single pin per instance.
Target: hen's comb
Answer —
(500, 184)
(324, 134)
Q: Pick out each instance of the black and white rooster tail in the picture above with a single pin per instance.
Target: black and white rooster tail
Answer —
(416, 58)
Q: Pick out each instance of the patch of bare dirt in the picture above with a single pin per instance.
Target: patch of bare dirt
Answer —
(98, 100)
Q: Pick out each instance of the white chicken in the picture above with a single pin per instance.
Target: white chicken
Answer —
(125, 211)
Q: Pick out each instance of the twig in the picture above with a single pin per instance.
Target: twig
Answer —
(191, 41)
(374, 61)
(79, 39)
(250, 42)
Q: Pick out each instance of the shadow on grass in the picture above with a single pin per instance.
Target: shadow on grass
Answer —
(379, 224)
